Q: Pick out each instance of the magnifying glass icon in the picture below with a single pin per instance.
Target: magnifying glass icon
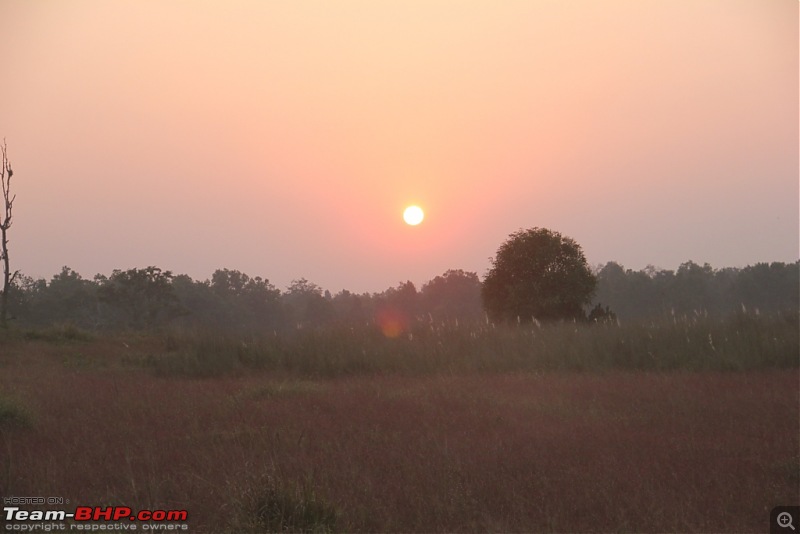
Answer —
(785, 520)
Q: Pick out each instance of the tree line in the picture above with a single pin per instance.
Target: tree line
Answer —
(693, 288)
(150, 297)
(147, 298)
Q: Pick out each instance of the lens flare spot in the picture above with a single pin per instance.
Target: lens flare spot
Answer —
(392, 322)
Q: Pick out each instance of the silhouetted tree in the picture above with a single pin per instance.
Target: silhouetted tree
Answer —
(693, 289)
(5, 223)
(403, 298)
(456, 295)
(204, 308)
(68, 298)
(230, 283)
(244, 302)
(305, 304)
(144, 297)
(396, 309)
(350, 308)
(628, 293)
(23, 297)
(538, 273)
(768, 286)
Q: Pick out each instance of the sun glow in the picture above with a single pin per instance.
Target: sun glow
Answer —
(413, 215)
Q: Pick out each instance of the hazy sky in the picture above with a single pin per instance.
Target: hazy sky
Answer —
(284, 139)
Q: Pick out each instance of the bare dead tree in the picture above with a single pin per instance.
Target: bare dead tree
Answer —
(5, 223)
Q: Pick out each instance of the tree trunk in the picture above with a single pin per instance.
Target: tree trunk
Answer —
(8, 201)
(6, 278)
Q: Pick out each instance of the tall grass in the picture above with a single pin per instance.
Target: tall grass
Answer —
(408, 446)
(13, 415)
(741, 342)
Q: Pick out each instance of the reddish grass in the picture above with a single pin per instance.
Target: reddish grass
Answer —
(645, 452)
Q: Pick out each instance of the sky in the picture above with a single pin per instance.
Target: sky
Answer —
(284, 139)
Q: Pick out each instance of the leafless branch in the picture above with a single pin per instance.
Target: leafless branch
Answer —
(8, 203)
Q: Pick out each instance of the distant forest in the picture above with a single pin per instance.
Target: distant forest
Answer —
(150, 298)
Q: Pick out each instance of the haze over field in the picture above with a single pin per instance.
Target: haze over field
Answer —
(284, 139)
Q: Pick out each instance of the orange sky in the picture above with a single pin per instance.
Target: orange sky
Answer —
(284, 139)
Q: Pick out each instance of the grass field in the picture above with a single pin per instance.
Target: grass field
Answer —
(558, 429)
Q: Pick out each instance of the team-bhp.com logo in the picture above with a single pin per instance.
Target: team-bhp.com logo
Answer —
(87, 518)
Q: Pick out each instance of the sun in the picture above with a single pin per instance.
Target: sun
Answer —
(413, 215)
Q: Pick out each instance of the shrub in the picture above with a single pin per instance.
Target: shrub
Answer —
(14, 414)
(275, 506)
(58, 334)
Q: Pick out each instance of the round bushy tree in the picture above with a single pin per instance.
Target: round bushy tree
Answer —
(538, 273)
